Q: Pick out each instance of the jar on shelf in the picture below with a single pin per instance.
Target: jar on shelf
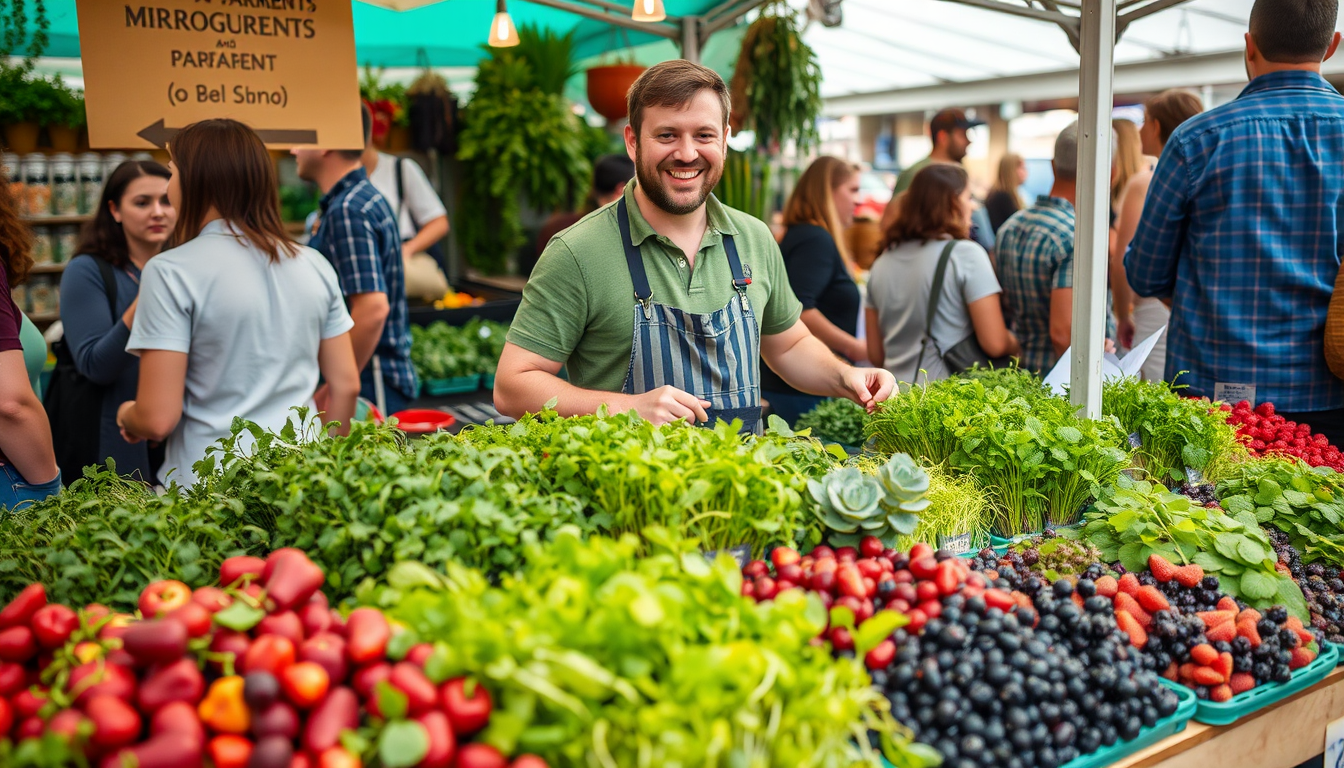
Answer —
(64, 185)
(37, 187)
(90, 181)
(44, 246)
(20, 295)
(67, 243)
(14, 177)
(110, 162)
(41, 296)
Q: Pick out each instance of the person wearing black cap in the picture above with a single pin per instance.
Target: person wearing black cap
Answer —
(950, 142)
(610, 174)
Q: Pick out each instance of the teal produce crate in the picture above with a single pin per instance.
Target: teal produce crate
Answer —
(1168, 726)
(488, 381)
(1261, 696)
(457, 385)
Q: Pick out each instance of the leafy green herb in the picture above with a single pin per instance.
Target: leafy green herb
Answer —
(1175, 432)
(590, 638)
(1305, 502)
(836, 420)
(1136, 519)
(443, 351)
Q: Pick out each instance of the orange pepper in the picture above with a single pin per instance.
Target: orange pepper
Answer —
(223, 709)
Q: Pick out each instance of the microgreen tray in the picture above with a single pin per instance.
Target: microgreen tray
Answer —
(1261, 696)
(1160, 730)
(454, 386)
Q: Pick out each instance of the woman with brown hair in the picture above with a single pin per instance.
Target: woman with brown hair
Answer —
(1004, 199)
(99, 290)
(28, 471)
(816, 257)
(934, 227)
(1162, 115)
(237, 319)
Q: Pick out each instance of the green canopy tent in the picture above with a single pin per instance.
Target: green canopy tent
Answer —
(450, 33)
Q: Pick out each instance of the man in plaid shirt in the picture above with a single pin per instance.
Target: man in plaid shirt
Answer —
(1242, 229)
(358, 234)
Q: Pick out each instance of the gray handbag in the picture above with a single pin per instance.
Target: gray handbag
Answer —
(965, 354)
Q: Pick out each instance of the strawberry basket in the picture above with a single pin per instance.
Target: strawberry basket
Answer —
(1261, 696)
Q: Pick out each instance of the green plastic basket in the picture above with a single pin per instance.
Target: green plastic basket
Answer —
(1167, 726)
(488, 381)
(1261, 696)
(455, 386)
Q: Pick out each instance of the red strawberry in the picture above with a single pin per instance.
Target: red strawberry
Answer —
(1214, 618)
(1204, 654)
(1241, 682)
(1129, 584)
(1246, 628)
(1171, 671)
(1152, 599)
(1223, 633)
(1161, 567)
(1107, 586)
(1137, 636)
(1220, 693)
(1301, 658)
(1292, 623)
(1077, 599)
(1124, 602)
(1207, 676)
(1223, 665)
(1186, 672)
(1306, 637)
(1189, 575)
(1228, 603)
(1255, 616)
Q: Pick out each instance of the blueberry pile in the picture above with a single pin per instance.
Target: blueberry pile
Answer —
(984, 687)
(1200, 494)
(1322, 586)
(1204, 597)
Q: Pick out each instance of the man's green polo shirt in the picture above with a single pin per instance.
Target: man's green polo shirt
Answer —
(578, 306)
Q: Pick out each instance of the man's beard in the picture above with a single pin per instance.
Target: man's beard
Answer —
(651, 181)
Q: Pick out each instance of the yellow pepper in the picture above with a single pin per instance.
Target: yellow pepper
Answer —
(223, 709)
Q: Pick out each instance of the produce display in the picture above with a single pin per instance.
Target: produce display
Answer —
(1267, 433)
(443, 351)
(566, 585)
(255, 673)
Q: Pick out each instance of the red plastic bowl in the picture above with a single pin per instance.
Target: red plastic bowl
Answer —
(421, 421)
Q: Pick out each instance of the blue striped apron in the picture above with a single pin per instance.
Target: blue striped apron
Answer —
(714, 356)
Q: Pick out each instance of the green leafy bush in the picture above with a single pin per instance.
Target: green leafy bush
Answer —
(443, 351)
(836, 420)
(1305, 502)
(637, 651)
(1175, 432)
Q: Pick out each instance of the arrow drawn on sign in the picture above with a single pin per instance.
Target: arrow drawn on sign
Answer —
(159, 135)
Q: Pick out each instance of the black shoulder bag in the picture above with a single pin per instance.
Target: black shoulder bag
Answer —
(965, 354)
(74, 403)
(436, 249)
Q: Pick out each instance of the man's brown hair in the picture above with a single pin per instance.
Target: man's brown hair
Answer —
(673, 84)
(223, 164)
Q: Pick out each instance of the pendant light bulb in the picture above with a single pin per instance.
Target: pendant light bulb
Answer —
(502, 32)
(648, 10)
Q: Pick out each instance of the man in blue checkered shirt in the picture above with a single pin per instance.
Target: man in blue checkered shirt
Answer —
(1244, 222)
(358, 234)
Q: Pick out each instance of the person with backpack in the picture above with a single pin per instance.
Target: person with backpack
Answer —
(99, 293)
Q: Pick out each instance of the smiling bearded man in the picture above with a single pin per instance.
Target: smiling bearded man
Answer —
(665, 301)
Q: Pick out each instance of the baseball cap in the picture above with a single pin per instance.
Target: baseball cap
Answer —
(948, 119)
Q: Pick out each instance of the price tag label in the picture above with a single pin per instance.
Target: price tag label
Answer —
(1234, 393)
(957, 545)
(1334, 744)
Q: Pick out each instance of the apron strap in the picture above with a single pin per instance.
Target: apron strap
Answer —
(633, 259)
(739, 281)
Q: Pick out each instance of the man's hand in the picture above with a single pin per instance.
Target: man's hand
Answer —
(667, 404)
(868, 386)
(1124, 332)
(121, 423)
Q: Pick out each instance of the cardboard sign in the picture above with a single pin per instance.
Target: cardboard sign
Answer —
(285, 67)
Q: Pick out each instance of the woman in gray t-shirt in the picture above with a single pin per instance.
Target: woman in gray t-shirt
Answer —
(936, 209)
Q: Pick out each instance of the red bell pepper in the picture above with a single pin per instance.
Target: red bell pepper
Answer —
(179, 681)
(421, 695)
(468, 714)
(115, 723)
(442, 743)
(21, 609)
(101, 678)
(291, 579)
(367, 633)
(53, 624)
(160, 641)
(336, 713)
(236, 568)
(284, 624)
(17, 644)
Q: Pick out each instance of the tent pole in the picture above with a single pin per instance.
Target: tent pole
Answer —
(1090, 262)
(690, 39)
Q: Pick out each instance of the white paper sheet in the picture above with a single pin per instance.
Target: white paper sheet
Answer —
(1112, 367)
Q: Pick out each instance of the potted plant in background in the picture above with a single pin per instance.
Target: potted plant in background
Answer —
(388, 105)
(520, 141)
(31, 102)
(608, 85)
(21, 127)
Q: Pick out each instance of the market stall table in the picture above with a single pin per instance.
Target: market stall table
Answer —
(1279, 736)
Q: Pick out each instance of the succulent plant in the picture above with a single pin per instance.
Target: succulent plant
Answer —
(853, 504)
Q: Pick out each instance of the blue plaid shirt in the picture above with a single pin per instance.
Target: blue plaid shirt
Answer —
(358, 234)
(1035, 256)
(1242, 231)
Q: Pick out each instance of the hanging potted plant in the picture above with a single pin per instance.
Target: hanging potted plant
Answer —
(776, 85)
(387, 104)
(608, 85)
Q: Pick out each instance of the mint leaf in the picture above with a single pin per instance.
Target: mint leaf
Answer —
(1258, 586)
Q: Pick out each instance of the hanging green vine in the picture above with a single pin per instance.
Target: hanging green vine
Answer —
(777, 83)
(14, 18)
(520, 139)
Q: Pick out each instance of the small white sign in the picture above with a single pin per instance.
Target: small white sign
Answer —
(1334, 744)
(1234, 393)
(1111, 367)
